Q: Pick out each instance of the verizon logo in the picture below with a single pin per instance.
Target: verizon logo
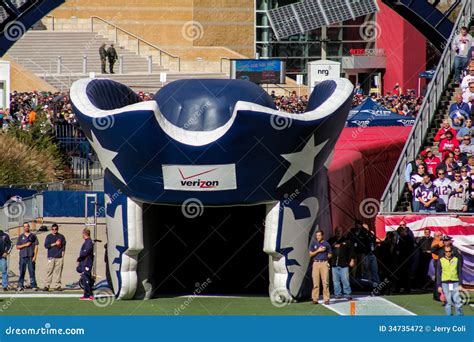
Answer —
(203, 184)
(199, 177)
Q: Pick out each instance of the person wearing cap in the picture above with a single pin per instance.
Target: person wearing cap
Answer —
(431, 161)
(320, 253)
(449, 274)
(461, 45)
(55, 244)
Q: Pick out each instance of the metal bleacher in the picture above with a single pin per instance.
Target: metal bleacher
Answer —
(436, 99)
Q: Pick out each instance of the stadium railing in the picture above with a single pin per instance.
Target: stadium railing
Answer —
(15, 213)
(131, 36)
(435, 91)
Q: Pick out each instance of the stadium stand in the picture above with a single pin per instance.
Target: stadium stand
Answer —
(39, 51)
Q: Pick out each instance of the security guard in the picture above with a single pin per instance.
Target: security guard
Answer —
(103, 57)
(84, 264)
(449, 273)
(320, 253)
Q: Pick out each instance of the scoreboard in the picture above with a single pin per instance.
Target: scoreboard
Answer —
(260, 71)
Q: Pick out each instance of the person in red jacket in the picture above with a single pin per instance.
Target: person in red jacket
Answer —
(448, 144)
(442, 131)
(431, 162)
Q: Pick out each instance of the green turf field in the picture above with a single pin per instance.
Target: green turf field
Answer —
(162, 306)
(423, 304)
(418, 304)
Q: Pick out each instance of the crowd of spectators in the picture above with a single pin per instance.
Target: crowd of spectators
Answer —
(442, 179)
(25, 106)
(399, 262)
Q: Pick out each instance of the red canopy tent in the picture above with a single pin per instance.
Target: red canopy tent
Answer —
(364, 159)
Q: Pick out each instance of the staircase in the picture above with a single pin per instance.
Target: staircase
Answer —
(38, 51)
(447, 99)
(439, 97)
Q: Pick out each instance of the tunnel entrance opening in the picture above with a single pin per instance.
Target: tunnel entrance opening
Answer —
(219, 252)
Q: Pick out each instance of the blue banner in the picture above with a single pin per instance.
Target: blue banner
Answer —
(236, 328)
(70, 203)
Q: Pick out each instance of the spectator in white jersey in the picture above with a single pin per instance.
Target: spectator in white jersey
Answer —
(415, 181)
(427, 195)
(458, 194)
(442, 186)
(467, 79)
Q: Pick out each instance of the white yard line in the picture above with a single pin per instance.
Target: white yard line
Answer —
(363, 307)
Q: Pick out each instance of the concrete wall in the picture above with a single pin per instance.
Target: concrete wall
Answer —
(24, 80)
(178, 26)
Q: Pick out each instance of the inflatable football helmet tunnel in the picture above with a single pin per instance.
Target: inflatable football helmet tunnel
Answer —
(209, 189)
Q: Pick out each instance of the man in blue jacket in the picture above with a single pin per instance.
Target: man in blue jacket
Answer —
(5, 249)
(84, 264)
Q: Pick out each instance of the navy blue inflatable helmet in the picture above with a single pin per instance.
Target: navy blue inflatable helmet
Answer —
(221, 143)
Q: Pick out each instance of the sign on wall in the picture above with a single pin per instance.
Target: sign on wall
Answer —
(321, 70)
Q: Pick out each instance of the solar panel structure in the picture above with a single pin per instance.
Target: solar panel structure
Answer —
(308, 15)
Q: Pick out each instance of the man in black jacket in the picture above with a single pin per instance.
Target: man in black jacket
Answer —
(424, 244)
(361, 245)
(84, 265)
(112, 55)
(103, 57)
(5, 249)
(342, 258)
